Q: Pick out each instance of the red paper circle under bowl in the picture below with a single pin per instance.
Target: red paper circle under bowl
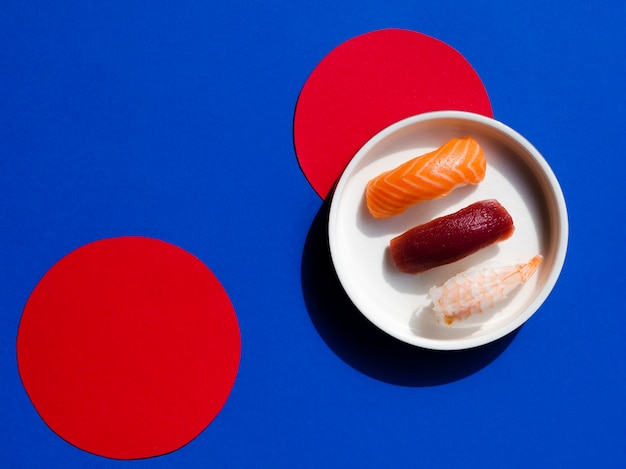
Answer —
(368, 83)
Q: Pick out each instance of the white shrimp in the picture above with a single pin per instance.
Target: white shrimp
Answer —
(478, 289)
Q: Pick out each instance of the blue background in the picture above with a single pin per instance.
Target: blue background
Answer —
(174, 120)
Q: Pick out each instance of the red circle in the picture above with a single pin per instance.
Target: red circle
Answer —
(128, 347)
(368, 83)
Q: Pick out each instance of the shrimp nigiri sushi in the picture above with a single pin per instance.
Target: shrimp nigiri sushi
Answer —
(458, 162)
(478, 289)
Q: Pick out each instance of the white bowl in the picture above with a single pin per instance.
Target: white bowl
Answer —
(517, 176)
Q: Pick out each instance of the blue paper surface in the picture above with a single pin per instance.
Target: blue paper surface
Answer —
(174, 121)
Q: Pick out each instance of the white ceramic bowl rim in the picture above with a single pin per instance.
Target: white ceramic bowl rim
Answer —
(340, 223)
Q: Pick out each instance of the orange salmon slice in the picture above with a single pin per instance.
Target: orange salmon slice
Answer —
(458, 162)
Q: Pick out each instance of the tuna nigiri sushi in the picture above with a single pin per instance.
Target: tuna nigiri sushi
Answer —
(478, 289)
(451, 237)
(458, 162)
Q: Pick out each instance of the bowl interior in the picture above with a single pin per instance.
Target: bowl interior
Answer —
(517, 176)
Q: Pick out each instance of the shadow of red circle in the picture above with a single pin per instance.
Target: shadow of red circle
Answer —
(368, 83)
(128, 347)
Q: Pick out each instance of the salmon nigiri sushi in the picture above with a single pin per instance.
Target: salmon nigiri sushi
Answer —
(458, 162)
